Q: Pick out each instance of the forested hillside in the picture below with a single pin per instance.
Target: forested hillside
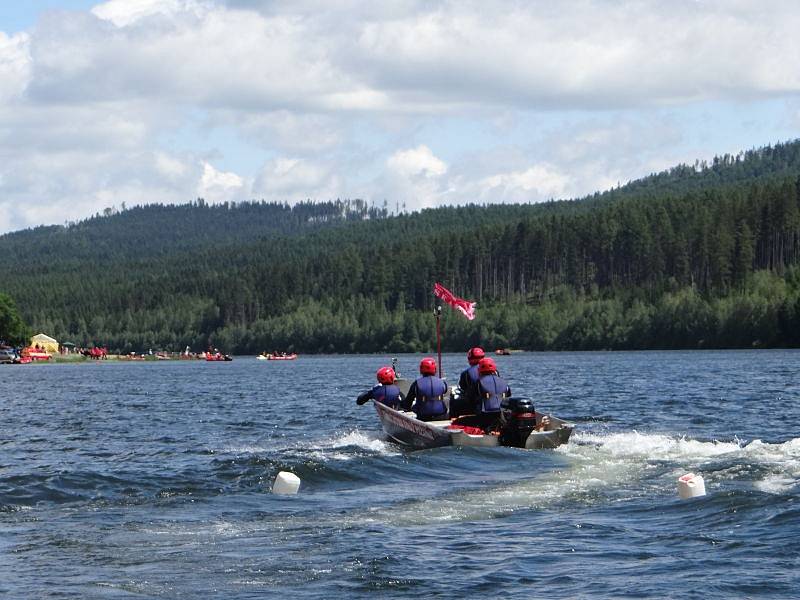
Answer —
(703, 256)
(156, 229)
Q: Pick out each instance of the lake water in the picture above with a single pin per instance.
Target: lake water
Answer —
(152, 480)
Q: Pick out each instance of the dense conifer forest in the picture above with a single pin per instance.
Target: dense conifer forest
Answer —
(13, 330)
(703, 256)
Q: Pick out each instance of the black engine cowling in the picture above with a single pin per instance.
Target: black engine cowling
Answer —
(517, 420)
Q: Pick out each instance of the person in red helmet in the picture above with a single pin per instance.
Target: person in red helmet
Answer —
(386, 392)
(462, 403)
(426, 395)
(491, 390)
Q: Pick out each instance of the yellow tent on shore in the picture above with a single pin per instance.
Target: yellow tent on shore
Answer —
(45, 342)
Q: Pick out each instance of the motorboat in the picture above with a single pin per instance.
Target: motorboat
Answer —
(277, 356)
(519, 426)
(405, 428)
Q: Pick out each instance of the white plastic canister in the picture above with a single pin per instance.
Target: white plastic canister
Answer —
(691, 486)
(286, 483)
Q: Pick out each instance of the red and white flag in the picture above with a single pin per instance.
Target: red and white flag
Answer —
(465, 307)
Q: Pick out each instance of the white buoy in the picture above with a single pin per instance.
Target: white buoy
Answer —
(691, 486)
(286, 483)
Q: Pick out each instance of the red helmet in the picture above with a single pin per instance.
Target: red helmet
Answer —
(385, 375)
(474, 355)
(427, 366)
(486, 366)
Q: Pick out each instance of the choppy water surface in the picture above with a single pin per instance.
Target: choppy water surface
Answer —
(151, 480)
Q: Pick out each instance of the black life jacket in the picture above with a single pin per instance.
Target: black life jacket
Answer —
(387, 394)
(430, 396)
(491, 391)
(472, 373)
(467, 391)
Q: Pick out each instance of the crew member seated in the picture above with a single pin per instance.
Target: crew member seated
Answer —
(386, 392)
(426, 395)
(491, 389)
(460, 404)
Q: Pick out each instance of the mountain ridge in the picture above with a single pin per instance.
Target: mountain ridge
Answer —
(346, 276)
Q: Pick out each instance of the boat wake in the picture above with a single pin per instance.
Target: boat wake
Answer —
(344, 446)
(606, 469)
(369, 441)
(768, 467)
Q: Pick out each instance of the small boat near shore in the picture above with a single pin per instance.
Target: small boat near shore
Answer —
(277, 356)
(29, 354)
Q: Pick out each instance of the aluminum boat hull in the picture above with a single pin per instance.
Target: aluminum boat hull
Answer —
(405, 428)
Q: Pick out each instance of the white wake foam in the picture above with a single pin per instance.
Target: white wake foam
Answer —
(781, 461)
(635, 445)
(367, 441)
(325, 449)
(612, 467)
(333, 448)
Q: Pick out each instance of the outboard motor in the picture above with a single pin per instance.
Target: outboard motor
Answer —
(517, 420)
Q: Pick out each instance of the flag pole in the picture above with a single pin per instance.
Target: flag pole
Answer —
(437, 312)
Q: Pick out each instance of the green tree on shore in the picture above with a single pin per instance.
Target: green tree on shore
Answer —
(13, 330)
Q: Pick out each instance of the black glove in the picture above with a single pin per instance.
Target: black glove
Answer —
(361, 400)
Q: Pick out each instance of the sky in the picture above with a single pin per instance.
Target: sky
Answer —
(413, 103)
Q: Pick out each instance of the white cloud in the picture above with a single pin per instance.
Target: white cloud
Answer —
(439, 56)
(538, 181)
(136, 99)
(126, 12)
(292, 132)
(414, 177)
(15, 65)
(416, 161)
(172, 167)
(292, 179)
(219, 186)
(596, 54)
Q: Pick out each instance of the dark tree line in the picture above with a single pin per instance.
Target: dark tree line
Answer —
(13, 331)
(702, 256)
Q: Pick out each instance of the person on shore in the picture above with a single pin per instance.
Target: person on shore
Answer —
(386, 392)
(491, 390)
(426, 395)
(462, 403)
